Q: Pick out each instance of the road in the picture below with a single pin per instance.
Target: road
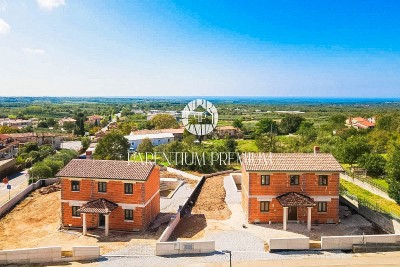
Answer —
(18, 182)
(114, 119)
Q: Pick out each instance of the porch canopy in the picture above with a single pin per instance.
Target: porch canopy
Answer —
(293, 199)
(99, 206)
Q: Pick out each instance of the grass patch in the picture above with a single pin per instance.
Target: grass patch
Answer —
(372, 199)
(247, 146)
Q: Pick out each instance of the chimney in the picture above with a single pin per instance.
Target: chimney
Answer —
(316, 150)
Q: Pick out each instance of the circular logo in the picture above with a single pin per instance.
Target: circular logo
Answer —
(200, 117)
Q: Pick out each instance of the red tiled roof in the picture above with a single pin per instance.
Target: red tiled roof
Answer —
(293, 199)
(365, 123)
(224, 128)
(4, 136)
(107, 169)
(285, 162)
(100, 205)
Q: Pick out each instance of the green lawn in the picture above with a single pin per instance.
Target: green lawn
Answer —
(375, 200)
(247, 146)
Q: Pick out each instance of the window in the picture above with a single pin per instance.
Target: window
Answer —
(128, 188)
(323, 180)
(265, 179)
(129, 215)
(75, 186)
(75, 212)
(264, 206)
(322, 206)
(294, 179)
(102, 186)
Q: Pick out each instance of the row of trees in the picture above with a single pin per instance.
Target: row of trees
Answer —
(51, 165)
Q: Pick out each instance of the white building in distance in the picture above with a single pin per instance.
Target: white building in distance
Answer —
(156, 139)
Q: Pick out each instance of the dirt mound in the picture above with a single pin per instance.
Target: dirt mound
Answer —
(190, 227)
(211, 201)
(50, 189)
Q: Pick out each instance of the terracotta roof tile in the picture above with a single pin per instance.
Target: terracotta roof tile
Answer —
(285, 162)
(293, 199)
(107, 169)
(100, 205)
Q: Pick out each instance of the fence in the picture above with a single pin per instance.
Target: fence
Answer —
(367, 203)
(21, 195)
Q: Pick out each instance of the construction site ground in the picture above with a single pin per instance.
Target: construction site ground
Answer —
(35, 222)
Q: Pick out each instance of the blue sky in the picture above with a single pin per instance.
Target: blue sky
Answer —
(235, 48)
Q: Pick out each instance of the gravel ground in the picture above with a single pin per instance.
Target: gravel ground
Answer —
(217, 257)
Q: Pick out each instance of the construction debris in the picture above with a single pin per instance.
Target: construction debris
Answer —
(50, 189)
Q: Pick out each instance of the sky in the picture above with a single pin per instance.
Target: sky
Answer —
(212, 48)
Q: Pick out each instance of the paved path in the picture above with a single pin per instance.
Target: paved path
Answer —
(366, 186)
(18, 182)
(171, 205)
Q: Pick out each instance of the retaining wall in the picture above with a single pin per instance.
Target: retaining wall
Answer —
(85, 253)
(184, 247)
(388, 224)
(347, 242)
(12, 202)
(184, 174)
(30, 255)
(295, 243)
(47, 255)
(170, 228)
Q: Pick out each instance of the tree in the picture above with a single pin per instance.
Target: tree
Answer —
(69, 126)
(51, 122)
(338, 120)
(85, 142)
(266, 125)
(393, 171)
(351, 149)
(145, 146)
(43, 124)
(30, 146)
(113, 146)
(94, 129)
(7, 129)
(238, 123)
(307, 132)
(164, 121)
(55, 165)
(231, 144)
(39, 171)
(373, 163)
(266, 142)
(290, 123)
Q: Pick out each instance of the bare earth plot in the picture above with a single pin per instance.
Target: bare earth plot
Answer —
(35, 222)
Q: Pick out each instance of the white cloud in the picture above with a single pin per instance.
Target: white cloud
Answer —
(34, 51)
(50, 4)
(4, 27)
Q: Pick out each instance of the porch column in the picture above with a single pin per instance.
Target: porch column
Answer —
(309, 218)
(84, 223)
(107, 222)
(285, 216)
